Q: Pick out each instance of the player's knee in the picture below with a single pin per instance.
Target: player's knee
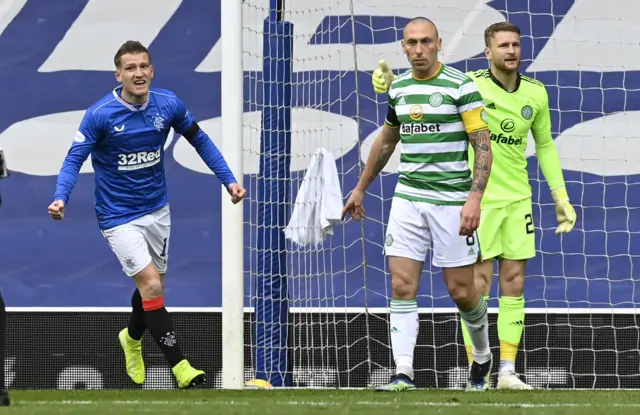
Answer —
(403, 288)
(512, 278)
(482, 275)
(149, 283)
(512, 285)
(405, 275)
(460, 284)
(152, 289)
(462, 294)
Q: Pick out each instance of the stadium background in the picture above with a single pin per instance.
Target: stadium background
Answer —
(51, 73)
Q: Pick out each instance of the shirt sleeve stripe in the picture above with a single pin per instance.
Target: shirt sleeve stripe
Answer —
(469, 98)
(470, 106)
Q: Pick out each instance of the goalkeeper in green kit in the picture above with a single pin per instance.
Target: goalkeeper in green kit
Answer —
(514, 105)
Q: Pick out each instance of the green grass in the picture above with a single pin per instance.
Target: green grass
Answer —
(309, 402)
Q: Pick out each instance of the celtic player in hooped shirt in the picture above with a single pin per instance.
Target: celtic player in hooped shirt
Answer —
(436, 112)
(515, 104)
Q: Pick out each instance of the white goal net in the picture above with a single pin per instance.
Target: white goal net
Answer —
(580, 290)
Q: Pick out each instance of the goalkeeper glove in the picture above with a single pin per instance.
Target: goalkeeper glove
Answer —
(565, 213)
(382, 77)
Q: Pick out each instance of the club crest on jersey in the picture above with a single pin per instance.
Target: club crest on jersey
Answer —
(158, 122)
(436, 99)
(416, 112)
(527, 112)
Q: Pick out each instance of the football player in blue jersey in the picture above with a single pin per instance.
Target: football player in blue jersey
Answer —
(125, 133)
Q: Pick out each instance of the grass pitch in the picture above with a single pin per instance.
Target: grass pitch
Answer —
(310, 402)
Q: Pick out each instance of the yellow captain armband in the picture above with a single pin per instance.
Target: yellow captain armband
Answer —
(474, 120)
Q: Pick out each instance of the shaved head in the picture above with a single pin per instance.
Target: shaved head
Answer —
(420, 20)
(421, 43)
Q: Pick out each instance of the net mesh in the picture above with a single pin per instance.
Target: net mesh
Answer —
(581, 327)
(336, 46)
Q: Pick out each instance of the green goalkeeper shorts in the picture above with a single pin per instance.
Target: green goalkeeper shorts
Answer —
(507, 232)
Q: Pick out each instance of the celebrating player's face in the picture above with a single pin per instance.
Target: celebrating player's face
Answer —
(135, 74)
(421, 45)
(504, 51)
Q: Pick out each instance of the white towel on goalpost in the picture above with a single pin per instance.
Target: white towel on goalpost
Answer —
(318, 205)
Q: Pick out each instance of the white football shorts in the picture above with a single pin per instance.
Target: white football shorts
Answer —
(142, 241)
(414, 227)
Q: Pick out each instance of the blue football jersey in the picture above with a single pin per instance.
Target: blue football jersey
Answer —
(126, 143)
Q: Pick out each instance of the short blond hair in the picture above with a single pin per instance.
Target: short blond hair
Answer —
(499, 27)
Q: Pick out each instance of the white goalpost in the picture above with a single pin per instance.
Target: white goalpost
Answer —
(232, 215)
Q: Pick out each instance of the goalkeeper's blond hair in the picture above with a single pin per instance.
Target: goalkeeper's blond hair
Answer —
(490, 31)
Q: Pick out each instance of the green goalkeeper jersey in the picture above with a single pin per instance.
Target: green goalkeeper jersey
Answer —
(510, 116)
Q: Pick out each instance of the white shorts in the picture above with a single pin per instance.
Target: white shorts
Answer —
(414, 227)
(142, 241)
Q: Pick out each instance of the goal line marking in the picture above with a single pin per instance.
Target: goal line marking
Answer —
(329, 403)
(323, 310)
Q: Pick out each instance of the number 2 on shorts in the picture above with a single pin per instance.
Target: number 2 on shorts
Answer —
(529, 226)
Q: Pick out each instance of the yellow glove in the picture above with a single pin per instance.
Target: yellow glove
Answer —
(382, 78)
(565, 213)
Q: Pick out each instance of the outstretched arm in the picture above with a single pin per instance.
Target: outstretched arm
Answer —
(210, 154)
(382, 148)
(83, 143)
(185, 124)
(381, 151)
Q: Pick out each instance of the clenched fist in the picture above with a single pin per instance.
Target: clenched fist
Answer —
(237, 192)
(56, 210)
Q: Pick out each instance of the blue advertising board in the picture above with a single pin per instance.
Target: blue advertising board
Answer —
(57, 60)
